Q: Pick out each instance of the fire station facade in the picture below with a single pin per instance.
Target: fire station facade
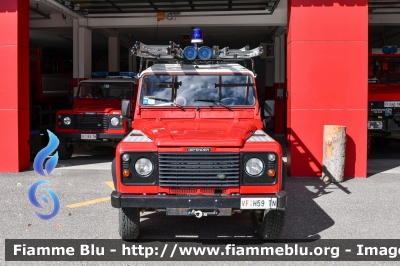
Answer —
(326, 83)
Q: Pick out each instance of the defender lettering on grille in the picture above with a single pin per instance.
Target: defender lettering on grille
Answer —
(199, 149)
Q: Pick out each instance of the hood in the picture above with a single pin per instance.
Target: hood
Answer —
(384, 92)
(198, 132)
(96, 109)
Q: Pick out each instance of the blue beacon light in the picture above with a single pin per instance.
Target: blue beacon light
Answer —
(197, 35)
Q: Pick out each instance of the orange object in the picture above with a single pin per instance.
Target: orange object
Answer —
(271, 172)
(160, 16)
(126, 173)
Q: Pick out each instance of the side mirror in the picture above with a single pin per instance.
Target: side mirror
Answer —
(268, 113)
(126, 108)
(269, 108)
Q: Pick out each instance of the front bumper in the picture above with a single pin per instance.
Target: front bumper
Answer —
(119, 200)
(98, 135)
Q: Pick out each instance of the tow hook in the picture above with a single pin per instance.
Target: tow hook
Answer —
(198, 214)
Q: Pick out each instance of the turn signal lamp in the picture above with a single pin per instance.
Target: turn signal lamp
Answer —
(271, 172)
(126, 173)
(190, 53)
(204, 53)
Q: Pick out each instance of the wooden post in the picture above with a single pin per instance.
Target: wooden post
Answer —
(334, 152)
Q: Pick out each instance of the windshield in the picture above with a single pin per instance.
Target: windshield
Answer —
(197, 90)
(106, 90)
(384, 69)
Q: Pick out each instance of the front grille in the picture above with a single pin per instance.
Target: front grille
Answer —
(195, 191)
(199, 170)
(92, 122)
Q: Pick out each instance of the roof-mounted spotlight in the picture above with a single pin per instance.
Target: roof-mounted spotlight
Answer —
(190, 53)
(385, 49)
(204, 53)
(389, 49)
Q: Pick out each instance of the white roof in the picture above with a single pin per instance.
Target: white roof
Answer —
(195, 69)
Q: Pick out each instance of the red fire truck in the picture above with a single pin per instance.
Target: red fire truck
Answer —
(383, 98)
(197, 147)
(95, 118)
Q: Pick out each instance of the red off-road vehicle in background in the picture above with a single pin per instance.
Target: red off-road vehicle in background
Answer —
(96, 118)
(383, 98)
(197, 147)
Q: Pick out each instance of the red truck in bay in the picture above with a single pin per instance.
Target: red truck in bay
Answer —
(383, 99)
(197, 145)
(95, 118)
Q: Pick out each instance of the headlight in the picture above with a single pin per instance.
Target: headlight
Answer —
(254, 166)
(375, 124)
(67, 120)
(114, 121)
(144, 167)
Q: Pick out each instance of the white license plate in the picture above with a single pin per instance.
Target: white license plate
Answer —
(258, 203)
(391, 104)
(88, 136)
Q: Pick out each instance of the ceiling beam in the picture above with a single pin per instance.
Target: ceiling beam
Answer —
(114, 5)
(177, 10)
(91, 2)
(37, 11)
(181, 6)
(191, 4)
(61, 8)
(155, 8)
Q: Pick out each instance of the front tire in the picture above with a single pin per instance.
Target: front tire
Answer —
(129, 221)
(65, 149)
(269, 226)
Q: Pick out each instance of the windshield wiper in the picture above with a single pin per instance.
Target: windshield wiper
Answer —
(166, 100)
(216, 102)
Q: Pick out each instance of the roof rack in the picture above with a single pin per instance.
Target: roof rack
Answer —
(173, 51)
